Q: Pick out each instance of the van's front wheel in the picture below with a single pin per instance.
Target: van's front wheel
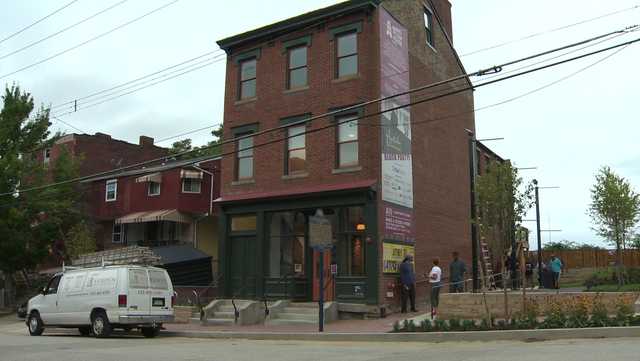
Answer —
(100, 325)
(35, 324)
(150, 332)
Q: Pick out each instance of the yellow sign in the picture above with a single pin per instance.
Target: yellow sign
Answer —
(393, 254)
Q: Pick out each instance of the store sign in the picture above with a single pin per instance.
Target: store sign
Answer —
(398, 224)
(320, 232)
(393, 254)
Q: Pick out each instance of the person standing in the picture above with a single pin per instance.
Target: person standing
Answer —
(457, 269)
(435, 279)
(556, 267)
(408, 281)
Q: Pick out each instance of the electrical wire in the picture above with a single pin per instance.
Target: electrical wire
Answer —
(38, 21)
(188, 133)
(90, 40)
(68, 124)
(62, 30)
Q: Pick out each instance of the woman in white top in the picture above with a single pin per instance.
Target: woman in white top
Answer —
(435, 279)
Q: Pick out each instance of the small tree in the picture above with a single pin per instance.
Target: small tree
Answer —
(614, 211)
(210, 148)
(79, 241)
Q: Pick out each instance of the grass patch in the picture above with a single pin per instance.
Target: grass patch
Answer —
(631, 287)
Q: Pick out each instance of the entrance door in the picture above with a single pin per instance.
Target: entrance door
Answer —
(329, 280)
(243, 267)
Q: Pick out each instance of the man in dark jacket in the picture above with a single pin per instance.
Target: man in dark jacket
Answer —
(408, 281)
(457, 269)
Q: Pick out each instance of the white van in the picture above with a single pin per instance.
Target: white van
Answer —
(97, 300)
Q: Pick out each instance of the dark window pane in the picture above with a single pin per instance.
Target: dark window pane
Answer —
(245, 168)
(297, 57)
(348, 66)
(297, 160)
(248, 89)
(248, 69)
(347, 44)
(298, 77)
(348, 154)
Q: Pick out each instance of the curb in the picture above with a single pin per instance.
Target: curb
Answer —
(430, 337)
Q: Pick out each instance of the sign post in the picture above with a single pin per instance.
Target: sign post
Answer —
(320, 239)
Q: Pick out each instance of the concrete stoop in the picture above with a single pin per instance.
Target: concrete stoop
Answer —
(637, 306)
(300, 313)
(222, 312)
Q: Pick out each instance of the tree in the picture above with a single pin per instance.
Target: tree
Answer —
(210, 148)
(614, 211)
(80, 240)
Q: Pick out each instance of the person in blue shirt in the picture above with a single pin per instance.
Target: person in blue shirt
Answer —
(556, 267)
(408, 283)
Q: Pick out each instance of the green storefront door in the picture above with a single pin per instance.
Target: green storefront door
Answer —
(243, 266)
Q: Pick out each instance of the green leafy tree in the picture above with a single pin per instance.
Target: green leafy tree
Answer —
(80, 240)
(614, 211)
(210, 148)
(635, 242)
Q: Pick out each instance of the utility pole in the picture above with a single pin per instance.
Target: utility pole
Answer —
(535, 182)
(474, 226)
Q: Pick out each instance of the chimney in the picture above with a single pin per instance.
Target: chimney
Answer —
(145, 141)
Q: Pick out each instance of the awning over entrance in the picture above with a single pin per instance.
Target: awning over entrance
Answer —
(192, 174)
(292, 192)
(172, 215)
(154, 177)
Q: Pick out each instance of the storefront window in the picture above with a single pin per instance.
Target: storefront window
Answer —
(287, 244)
(243, 223)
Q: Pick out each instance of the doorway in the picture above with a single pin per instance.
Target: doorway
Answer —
(243, 266)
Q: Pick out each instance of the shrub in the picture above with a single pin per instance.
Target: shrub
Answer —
(578, 313)
(396, 326)
(502, 325)
(624, 312)
(454, 324)
(599, 315)
(469, 325)
(411, 326)
(554, 316)
(441, 325)
(485, 324)
(426, 325)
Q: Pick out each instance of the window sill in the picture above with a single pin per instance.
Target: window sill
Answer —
(186, 192)
(346, 170)
(245, 101)
(346, 78)
(295, 176)
(295, 90)
(243, 182)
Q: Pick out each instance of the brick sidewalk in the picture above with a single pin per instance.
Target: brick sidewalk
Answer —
(381, 325)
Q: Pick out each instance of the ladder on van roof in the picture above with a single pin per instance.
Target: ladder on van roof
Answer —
(136, 255)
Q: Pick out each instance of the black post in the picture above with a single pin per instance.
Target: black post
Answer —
(474, 229)
(535, 182)
(321, 298)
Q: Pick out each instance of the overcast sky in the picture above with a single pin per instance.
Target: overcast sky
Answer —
(567, 130)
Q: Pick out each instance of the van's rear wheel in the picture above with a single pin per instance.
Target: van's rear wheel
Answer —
(150, 332)
(35, 325)
(85, 331)
(100, 325)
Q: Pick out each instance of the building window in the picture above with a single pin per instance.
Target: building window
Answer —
(286, 247)
(296, 151)
(47, 156)
(154, 189)
(248, 78)
(428, 25)
(297, 76)
(347, 54)
(191, 185)
(119, 233)
(244, 159)
(347, 141)
(244, 223)
(111, 190)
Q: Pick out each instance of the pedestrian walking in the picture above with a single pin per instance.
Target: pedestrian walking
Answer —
(408, 282)
(457, 269)
(556, 267)
(435, 280)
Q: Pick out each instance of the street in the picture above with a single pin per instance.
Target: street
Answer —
(54, 345)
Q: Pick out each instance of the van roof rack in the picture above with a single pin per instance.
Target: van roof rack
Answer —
(134, 255)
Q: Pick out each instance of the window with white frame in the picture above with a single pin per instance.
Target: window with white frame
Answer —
(154, 189)
(428, 25)
(111, 190)
(191, 185)
(47, 155)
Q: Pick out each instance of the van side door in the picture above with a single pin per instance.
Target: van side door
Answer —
(49, 306)
(71, 299)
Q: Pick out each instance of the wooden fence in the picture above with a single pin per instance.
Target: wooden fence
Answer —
(588, 258)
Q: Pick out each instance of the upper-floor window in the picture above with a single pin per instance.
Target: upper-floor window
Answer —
(154, 189)
(297, 74)
(296, 150)
(244, 158)
(248, 78)
(347, 54)
(47, 155)
(428, 25)
(347, 141)
(191, 185)
(111, 190)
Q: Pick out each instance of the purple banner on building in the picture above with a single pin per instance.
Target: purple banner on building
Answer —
(396, 167)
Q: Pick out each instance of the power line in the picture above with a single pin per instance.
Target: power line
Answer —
(550, 31)
(90, 40)
(38, 21)
(71, 102)
(188, 133)
(332, 113)
(62, 30)
(69, 124)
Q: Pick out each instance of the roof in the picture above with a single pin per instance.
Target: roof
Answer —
(488, 150)
(158, 168)
(179, 254)
(306, 190)
(296, 22)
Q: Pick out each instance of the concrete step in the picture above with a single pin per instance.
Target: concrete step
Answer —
(306, 310)
(225, 308)
(304, 304)
(281, 321)
(224, 314)
(297, 316)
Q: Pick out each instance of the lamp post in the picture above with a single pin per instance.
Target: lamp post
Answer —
(474, 226)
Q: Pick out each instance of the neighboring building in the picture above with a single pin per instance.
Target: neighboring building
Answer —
(160, 206)
(101, 153)
(388, 185)
(484, 157)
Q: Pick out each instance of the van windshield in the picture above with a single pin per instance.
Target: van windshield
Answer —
(158, 280)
